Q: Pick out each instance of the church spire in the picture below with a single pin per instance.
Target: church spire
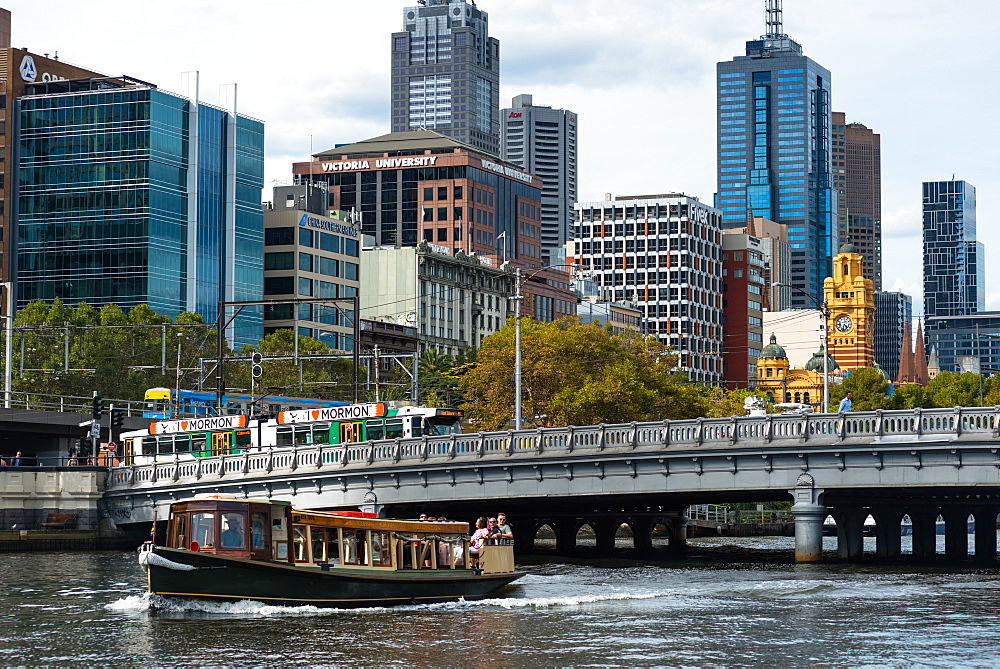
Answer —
(920, 358)
(905, 373)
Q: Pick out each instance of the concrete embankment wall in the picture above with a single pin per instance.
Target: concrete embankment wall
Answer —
(29, 494)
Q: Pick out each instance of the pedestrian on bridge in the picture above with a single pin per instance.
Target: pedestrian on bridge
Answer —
(845, 404)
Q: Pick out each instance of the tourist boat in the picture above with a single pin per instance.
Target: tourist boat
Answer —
(228, 549)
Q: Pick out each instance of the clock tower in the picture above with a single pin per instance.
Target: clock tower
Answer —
(850, 298)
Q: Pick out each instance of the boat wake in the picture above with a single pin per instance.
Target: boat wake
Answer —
(154, 604)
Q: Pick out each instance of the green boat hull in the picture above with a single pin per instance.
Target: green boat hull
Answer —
(188, 574)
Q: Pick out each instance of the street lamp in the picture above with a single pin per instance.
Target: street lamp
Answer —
(8, 342)
(825, 310)
(520, 279)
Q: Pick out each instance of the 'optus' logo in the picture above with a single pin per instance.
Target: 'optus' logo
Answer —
(28, 69)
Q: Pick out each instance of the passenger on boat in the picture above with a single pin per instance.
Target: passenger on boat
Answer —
(493, 532)
(478, 540)
(506, 533)
(232, 537)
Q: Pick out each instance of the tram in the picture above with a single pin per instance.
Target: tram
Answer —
(188, 438)
(165, 403)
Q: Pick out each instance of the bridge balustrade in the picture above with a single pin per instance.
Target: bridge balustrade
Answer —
(772, 431)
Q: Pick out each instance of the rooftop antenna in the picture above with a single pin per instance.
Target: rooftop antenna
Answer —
(772, 19)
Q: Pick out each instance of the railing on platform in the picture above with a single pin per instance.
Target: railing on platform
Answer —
(708, 513)
(69, 403)
(701, 434)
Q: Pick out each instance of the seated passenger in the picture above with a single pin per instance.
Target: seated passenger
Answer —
(478, 540)
(232, 537)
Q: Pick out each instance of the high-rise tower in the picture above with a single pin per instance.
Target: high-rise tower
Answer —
(446, 73)
(857, 176)
(542, 140)
(953, 260)
(774, 149)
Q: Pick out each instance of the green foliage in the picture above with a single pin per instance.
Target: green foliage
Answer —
(951, 389)
(868, 387)
(910, 396)
(723, 402)
(331, 378)
(575, 374)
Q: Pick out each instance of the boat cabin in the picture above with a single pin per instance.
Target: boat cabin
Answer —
(273, 531)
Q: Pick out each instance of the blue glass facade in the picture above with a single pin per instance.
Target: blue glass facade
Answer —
(774, 124)
(954, 280)
(107, 212)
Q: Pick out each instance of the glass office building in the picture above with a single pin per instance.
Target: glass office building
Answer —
(446, 73)
(954, 280)
(130, 195)
(774, 126)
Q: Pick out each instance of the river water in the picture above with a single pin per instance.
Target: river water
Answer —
(705, 610)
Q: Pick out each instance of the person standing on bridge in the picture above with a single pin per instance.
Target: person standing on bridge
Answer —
(845, 404)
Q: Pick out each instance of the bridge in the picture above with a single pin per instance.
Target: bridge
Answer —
(920, 463)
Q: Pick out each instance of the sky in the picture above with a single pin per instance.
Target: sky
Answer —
(639, 74)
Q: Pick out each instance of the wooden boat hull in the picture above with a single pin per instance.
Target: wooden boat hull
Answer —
(188, 574)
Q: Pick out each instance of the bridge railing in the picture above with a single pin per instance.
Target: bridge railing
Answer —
(702, 434)
(69, 403)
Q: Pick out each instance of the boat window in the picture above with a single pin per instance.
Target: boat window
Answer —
(260, 531)
(284, 436)
(203, 529)
(394, 428)
(233, 534)
(179, 540)
(318, 537)
(353, 546)
(376, 429)
(332, 547)
(381, 548)
(299, 537)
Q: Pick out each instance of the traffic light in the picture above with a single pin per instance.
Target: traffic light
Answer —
(97, 410)
(117, 419)
(255, 368)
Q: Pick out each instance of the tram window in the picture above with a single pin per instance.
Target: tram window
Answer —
(303, 435)
(243, 439)
(381, 548)
(318, 537)
(350, 432)
(299, 537)
(179, 540)
(260, 531)
(164, 444)
(198, 443)
(321, 434)
(182, 443)
(393, 428)
(284, 436)
(203, 529)
(376, 429)
(418, 427)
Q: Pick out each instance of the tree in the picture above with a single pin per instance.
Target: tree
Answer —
(910, 396)
(868, 387)
(951, 389)
(722, 402)
(327, 379)
(575, 374)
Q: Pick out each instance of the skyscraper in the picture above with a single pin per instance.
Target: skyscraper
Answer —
(857, 177)
(130, 195)
(446, 73)
(893, 314)
(774, 149)
(542, 140)
(954, 275)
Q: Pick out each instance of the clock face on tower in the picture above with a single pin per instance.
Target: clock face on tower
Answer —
(844, 324)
